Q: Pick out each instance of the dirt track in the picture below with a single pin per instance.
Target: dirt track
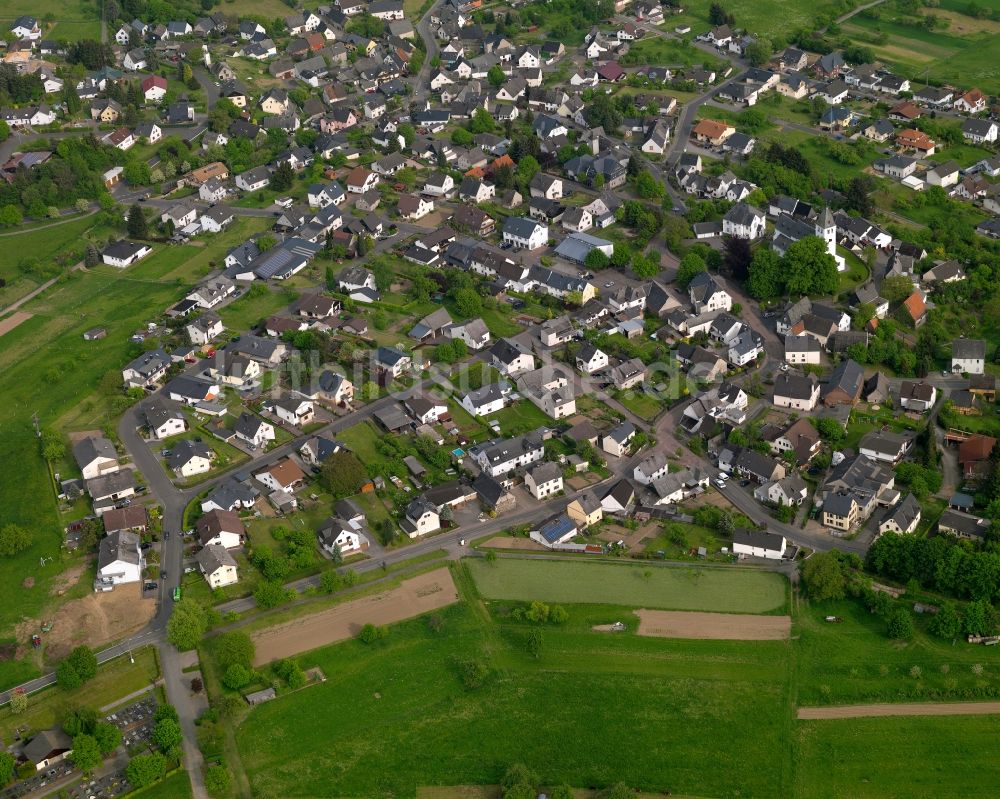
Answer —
(414, 596)
(13, 321)
(913, 709)
(717, 626)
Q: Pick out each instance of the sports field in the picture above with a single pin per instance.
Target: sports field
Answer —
(690, 588)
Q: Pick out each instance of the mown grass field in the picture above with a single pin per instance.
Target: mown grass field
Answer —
(396, 715)
(50, 370)
(720, 590)
(74, 20)
(897, 758)
(176, 786)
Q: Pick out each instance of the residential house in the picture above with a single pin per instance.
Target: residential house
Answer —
(902, 519)
(796, 391)
(253, 430)
(963, 525)
(497, 458)
(218, 566)
(220, 527)
(146, 370)
(544, 480)
(509, 358)
(617, 441)
(885, 445)
(590, 359)
(161, 421)
(189, 458)
(917, 395)
(119, 561)
(844, 385)
(486, 400)
(585, 510)
(968, 356)
(96, 456)
(651, 468)
(283, 476)
(123, 253)
(758, 544)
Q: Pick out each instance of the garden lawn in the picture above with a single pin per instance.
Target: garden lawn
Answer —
(660, 51)
(520, 417)
(856, 272)
(640, 403)
(720, 590)
(896, 758)
(404, 718)
(246, 311)
(176, 786)
(499, 323)
(360, 439)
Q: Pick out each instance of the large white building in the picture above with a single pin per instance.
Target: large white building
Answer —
(758, 544)
(119, 561)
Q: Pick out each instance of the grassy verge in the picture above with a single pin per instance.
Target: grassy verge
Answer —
(115, 679)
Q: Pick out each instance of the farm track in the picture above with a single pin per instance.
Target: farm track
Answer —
(912, 709)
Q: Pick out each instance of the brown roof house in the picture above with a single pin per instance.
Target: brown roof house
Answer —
(914, 309)
(845, 384)
(974, 457)
(222, 527)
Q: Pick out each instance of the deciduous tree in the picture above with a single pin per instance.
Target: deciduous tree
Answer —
(343, 474)
(14, 539)
(86, 754)
(167, 735)
(143, 770)
(823, 576)
(187, 624)
(690, 265)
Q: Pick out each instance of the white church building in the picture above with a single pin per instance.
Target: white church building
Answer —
(789, 229)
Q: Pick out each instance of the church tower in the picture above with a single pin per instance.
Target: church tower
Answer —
(826, 229)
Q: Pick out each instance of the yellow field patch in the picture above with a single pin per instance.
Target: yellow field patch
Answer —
(962, 25)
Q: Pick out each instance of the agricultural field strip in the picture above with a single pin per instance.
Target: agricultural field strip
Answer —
(904, 709)
(687, 588)
(713, 626)
(412, 597)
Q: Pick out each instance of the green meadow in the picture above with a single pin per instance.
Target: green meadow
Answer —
(667, 588)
